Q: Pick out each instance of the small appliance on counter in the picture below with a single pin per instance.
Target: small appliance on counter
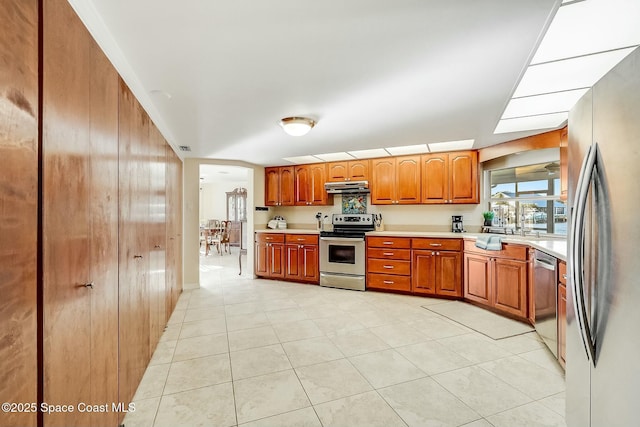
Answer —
(456, 224)
(277, 222)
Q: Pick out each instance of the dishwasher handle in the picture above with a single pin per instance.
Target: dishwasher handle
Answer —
(544, 264)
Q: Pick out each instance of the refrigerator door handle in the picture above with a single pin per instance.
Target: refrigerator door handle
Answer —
(577, 250)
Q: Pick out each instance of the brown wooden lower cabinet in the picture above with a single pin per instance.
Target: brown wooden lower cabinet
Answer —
(389, 263)
(424, 266)
(510, 291)
(287, 256)
(497, 279)
(270, 255)
(437, 267)
(302, 258)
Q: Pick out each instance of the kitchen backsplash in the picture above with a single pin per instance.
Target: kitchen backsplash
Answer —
(396, 218)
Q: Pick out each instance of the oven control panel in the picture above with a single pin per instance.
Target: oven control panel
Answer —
(355, 219)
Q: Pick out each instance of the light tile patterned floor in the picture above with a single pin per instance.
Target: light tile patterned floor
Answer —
(243, 352)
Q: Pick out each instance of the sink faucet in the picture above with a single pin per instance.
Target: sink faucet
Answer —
(523, 232)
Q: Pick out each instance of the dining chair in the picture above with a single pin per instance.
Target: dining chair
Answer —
(212, 238)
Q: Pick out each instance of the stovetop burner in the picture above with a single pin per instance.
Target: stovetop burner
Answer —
(350, 225)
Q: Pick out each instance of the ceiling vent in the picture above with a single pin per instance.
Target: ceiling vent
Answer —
(184, 148)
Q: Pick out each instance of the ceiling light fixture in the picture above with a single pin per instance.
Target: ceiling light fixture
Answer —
(297, 126)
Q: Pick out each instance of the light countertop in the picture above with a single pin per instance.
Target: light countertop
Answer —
(554, 247)
(288, 231)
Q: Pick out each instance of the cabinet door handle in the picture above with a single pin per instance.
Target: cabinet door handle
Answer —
(388, 282)
(300, 240)
(388, 266)
(137, 256)
(435, 244)
(89, 285)
(387, 243)
(156, 247)
(387, 253)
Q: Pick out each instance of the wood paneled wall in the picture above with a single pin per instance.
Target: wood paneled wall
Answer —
(134, 243)
(18, 207)
(108, 242)
(80, 219)
(173, 177)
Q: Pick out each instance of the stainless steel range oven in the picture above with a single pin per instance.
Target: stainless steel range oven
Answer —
(342, 252)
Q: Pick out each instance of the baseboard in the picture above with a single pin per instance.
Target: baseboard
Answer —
(190, 286)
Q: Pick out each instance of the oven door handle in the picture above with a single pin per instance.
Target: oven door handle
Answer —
(342, 239)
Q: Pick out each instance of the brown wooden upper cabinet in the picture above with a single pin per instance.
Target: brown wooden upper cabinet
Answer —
(450, 177)
(279, 186)
(309, 185)
(356, 170)
(395, 180)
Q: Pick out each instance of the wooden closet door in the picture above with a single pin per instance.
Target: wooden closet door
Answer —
(18, 206)
(103, 213)
(66, 224)
(133, 243)
(173, 208)
(157, 237)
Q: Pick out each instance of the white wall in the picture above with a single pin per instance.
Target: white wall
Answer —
(396, 217)
(213, 199)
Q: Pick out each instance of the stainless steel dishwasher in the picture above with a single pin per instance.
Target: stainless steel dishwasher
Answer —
(545, 288)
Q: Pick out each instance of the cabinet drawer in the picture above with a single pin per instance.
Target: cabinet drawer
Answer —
(389, 242)
(401, 254)
(388, 266)
(387, 281)
(508, 251)
(562, 272)
(437, 244)
(269, 237)
(302, 239)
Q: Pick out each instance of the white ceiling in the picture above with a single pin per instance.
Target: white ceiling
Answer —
(223, 173)
(218, 75)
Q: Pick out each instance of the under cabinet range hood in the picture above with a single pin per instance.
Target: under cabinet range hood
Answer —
(347, 187)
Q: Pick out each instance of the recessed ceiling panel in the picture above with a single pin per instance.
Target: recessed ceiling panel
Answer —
(588, 27)
(334, 157)
(544, 121)
(369, 154)
(543, 104)
(299, 160)
(408, 149)
(465, 144)
(575, 73)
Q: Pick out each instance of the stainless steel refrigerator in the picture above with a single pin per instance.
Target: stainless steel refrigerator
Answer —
(603, 301)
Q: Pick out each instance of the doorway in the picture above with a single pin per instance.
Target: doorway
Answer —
(225, 210)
